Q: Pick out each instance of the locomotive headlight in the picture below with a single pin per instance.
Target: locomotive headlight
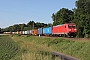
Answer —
(69, 29)
(75, 29)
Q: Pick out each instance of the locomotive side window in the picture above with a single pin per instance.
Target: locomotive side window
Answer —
(65, 26)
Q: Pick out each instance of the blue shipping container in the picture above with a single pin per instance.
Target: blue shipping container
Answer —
(40, 31)
(47, 30)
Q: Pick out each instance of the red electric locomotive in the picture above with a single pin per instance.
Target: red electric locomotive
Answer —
(67, 29)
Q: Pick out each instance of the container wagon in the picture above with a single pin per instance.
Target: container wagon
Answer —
(47, 31)
(40, 31)
(34, 32)
(29, 32)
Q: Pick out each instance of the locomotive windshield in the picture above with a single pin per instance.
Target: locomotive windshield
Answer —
(71, 26)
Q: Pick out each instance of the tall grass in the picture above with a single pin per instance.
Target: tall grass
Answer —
(32, 50)
(34, 46)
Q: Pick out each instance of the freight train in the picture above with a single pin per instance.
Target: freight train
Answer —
(66, 30)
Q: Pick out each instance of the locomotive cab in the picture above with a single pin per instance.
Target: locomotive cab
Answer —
(72, 29)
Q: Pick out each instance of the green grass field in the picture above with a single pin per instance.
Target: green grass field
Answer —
(8, 48)
(32, 51)
(40, 48)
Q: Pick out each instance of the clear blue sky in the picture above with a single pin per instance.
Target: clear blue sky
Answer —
(22, 11)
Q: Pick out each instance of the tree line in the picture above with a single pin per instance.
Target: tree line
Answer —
(79, 15)
(23, 27)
